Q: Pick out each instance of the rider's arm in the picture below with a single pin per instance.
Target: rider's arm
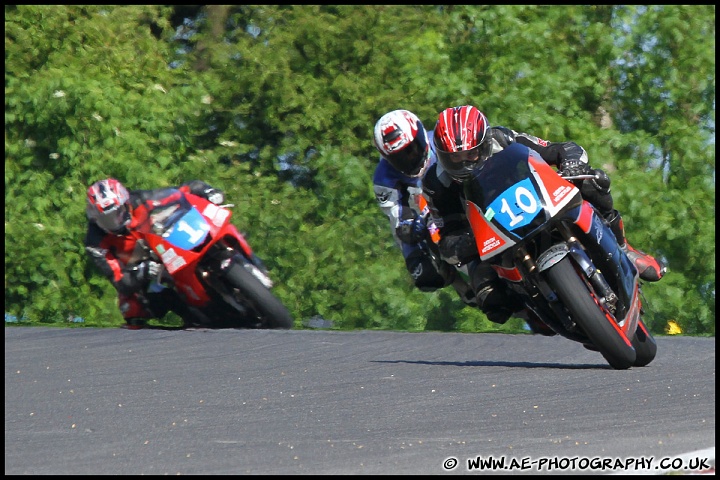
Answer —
(195, 187)
(447, 211)
(126, 279)
(204, 190)
(394, 196)
(554, 153)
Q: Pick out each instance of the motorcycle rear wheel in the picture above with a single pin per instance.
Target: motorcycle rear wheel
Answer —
(268, 309)
(600, 328)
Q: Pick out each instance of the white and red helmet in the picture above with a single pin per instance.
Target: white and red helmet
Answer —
(107, 205)
(401, 139)
(461, 140)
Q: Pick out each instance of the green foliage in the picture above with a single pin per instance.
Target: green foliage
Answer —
(275, 105)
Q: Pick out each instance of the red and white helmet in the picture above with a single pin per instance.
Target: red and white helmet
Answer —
(401, 139)
(461, 139)
(107, 205)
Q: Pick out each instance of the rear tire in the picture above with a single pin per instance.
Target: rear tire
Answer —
(267, 308)
(602, 330)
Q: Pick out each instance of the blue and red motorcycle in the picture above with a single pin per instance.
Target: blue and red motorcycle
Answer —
(558, 254)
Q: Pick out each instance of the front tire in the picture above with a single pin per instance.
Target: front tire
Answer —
(600, 328)
(266, 307)
(645, 346)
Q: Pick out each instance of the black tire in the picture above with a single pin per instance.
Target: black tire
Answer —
(645, 346)
(602, 330)
(269, 310)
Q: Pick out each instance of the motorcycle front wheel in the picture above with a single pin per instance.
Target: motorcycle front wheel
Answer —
(600, 328)
(645, 346)
(259, 300)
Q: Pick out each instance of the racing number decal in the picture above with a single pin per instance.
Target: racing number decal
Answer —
(189, 231)
(195, 235)
(519, 204)
(523, 199)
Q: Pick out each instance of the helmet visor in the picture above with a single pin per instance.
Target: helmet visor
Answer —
(412, 159)
(463, 156)
(460, 164)
(113, 220)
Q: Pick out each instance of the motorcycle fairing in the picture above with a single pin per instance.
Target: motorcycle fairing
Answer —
(177, 231)
(489, 239)
(556, 191)
(512, 273)
(425, 213)
(217, 215)
(513, 187)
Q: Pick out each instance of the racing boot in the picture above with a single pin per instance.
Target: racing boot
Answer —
(499, 315)
(135, 323)
(194, 318)
(464, 291)
(534, 323)
(134, 311)
(649, 268)
(497, 302)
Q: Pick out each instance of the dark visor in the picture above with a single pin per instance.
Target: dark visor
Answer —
(409, 160)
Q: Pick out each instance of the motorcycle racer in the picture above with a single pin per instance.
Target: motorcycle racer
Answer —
(114, 251)
(462, 137)
(405, 156)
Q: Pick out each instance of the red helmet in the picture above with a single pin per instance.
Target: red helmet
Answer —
(107, 205)
(401, 139)
(461, 140)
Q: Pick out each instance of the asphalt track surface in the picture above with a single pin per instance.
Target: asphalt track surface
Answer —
(91, 401)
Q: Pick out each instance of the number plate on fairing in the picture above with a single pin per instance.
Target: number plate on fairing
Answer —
(189, 232)
(515, 207)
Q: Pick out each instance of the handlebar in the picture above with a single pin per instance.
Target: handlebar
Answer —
(578, 177)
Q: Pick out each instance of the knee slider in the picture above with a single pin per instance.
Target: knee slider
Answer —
(493, 296)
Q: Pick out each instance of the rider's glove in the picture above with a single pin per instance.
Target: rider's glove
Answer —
(214, 195)
(574, 166)
(412, 230)
(147, 271)
(601, 181)
(459, 248)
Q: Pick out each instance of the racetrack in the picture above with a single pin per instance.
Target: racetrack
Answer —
(91, 401)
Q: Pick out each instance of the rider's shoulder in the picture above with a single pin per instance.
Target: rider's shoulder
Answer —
(386, 175)
(503, 135)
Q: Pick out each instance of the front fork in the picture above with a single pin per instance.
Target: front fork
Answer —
(571, 245)
(533, 267)
(605, 293)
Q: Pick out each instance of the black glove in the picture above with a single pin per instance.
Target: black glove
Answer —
(412, 230)
(601, 182)
(458, 248)
(147, 271)
(574, 166)
(214, 195)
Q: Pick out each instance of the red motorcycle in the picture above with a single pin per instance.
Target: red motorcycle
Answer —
(558, 254)
(208, 262)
